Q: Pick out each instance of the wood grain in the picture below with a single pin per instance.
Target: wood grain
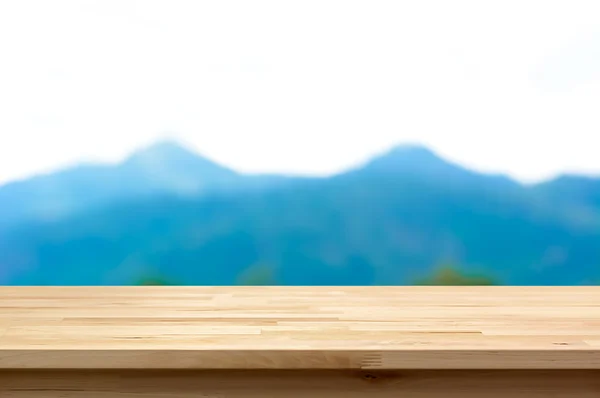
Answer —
(300, 328)
(300, 384)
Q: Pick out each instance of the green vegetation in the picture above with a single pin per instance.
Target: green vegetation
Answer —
(257, 275)
(155, 278)
(451, 276)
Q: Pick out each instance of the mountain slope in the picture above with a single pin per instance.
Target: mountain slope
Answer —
(163, 168)
(393, 221)
(172, 168)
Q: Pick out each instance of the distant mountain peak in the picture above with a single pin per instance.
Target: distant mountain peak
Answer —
(420, 162)
(408, 148)
(413, 152)
(164, 150)
(170, 154)
(167, 163)
(410, 158)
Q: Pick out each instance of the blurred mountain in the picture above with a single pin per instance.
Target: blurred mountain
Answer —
(398, 219)
(572, 189)
(162, 168)
(575, 197)
(415, 161)
(172, 168)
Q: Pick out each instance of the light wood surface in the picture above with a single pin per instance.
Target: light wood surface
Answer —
(300, 327)
(300, 384)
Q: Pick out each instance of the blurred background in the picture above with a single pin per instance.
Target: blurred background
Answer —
(299, 142)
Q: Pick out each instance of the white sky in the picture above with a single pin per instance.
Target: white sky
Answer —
(302, 86)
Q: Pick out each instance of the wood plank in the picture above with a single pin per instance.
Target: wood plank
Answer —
(300, 384)
(300, 327)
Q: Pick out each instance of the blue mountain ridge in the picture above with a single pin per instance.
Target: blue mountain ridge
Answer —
(166, 212)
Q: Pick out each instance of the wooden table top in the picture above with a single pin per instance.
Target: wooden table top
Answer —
(300, 327)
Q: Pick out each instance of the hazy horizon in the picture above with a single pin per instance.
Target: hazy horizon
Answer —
(357, 164)
(306, 88)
